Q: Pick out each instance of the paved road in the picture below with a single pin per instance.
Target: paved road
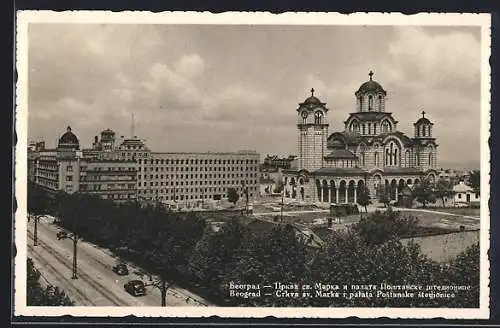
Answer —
(97, 284)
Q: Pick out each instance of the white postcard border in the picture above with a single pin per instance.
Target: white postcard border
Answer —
(24, 18)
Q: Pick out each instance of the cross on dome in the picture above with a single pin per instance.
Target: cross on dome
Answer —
(423, 114)
(370, 74)
(312, 92)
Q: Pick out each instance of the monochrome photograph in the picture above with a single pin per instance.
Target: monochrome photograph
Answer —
(302, 164)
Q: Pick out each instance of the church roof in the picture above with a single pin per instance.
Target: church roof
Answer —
(338, 171)
(312, 102)
(340, 153)
(371, 116)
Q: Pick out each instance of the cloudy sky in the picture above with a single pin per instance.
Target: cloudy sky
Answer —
(225, 88)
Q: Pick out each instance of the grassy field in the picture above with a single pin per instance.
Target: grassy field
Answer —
(460, 211)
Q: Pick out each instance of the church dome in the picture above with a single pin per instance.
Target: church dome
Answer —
(312, 100)
(422, 120)
(68, 140)
(370, 86)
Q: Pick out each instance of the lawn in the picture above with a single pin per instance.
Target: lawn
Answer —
(459, 211)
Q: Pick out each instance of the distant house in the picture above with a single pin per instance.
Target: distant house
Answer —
(464, 194)
(275, 163)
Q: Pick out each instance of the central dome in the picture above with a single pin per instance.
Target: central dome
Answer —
(371, 86)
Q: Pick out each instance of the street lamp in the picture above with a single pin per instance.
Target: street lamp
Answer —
(74, 237)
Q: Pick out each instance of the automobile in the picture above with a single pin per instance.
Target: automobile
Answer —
(62, 234)
(121, 269)
(135, 287)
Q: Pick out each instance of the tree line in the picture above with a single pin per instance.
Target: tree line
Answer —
(182, 249)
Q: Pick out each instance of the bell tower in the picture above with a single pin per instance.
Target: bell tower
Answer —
(425, 152)
(312, 130)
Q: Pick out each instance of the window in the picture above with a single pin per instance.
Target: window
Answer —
(318, 117)
(370, 102)
(380, 103)
(459, 196)
(69, 178)
(369, 128)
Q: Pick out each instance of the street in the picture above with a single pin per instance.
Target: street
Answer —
(97, 284)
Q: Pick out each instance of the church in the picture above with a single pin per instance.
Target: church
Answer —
(369, 154)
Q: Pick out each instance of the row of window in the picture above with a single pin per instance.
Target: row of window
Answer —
(181, 183)
(190, 197)
(195, 176)
(196, 161)
(194, 168)
(188, 190)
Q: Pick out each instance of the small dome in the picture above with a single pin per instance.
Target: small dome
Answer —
(423, 120)
(68, 140)
(312, 100)
(370, 86)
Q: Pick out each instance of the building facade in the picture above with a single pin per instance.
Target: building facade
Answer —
(370, 153)
(130, 170)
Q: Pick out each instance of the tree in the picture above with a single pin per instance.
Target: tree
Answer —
(443, 190)
(424, 193)
(380, 227)
(36, 295)
(384, 194)
(364, 198)
(232, 195)
(475, 180)
(464, 271)
(279, 187)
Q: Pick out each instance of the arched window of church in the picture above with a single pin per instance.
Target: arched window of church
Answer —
(363, 159)
(360, 103)
(369, 128)
(318, 118)
(391, 154)
(407, 158)
(376, 159)
(385, 127)
(374, 128)
(396, 156)
(423, 131)
(418, 159)
(429, 127)
(430, 159)
(386, 156)
(370, 102)
(355, 126)
(380, 102)
(364, 131)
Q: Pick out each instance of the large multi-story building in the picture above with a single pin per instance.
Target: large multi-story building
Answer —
(131, 170)
(370, 152)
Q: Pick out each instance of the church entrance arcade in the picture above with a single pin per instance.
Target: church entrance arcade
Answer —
(338, 191)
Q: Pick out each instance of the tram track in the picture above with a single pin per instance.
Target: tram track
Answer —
(60, 276)
(100, 288)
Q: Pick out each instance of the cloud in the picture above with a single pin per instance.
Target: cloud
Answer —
(444, 60)
(190, 66)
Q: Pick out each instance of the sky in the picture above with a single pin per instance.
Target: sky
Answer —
(229, 88)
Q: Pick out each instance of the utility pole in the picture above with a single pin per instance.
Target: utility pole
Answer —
(161, 284)
(36, 218)
(74, 237)
(282, 201)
